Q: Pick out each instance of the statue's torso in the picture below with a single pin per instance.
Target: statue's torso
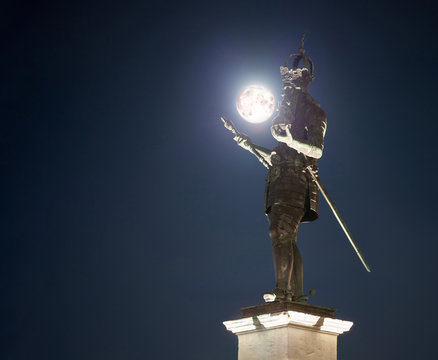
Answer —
(288, 183)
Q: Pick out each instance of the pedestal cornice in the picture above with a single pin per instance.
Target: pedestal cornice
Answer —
(288, 318)
(287, 331)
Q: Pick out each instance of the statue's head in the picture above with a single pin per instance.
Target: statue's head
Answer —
(296, 77)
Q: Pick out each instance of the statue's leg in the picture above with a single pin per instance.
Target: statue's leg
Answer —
(297, 281)
(282, 254)
(283, 227)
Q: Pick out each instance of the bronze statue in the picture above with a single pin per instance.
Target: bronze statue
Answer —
(291, 193)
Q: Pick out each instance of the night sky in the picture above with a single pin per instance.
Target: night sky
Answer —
(132, 223)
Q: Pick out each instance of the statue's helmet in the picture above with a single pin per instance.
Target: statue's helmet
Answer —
(298, 78)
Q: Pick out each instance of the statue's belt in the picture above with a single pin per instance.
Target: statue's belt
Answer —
(297, 163)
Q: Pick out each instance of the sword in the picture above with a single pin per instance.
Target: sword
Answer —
(338, 217)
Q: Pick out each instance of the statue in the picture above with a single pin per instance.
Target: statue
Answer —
(291, 193)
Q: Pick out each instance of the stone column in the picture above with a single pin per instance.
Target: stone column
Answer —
(287, 331)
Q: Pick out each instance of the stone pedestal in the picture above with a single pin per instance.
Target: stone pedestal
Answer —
(287, 331)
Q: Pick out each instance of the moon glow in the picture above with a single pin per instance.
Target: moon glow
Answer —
(255, 104)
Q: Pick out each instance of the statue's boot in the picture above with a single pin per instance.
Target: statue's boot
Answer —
(275, 295)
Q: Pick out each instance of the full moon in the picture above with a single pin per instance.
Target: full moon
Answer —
(255, 104)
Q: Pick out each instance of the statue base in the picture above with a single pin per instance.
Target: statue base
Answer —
(287, 331)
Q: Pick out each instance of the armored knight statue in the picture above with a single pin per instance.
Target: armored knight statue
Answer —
(291, 194)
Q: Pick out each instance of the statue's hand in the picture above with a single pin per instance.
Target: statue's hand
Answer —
(243, 141)
(280, 135)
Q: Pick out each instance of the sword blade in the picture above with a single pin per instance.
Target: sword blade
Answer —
(338, 217)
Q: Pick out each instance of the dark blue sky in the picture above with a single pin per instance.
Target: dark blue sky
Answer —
(132, 223)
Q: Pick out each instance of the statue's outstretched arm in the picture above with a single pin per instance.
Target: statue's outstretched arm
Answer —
(261, 153)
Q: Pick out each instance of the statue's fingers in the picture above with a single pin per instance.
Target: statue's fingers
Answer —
(274, 132)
